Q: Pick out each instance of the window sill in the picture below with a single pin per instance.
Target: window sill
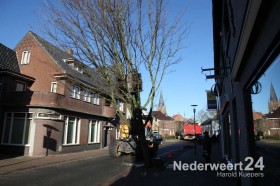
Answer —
(67, 145)
(16, 145)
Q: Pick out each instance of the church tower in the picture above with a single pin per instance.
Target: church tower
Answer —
(273, 101)
(161, 105)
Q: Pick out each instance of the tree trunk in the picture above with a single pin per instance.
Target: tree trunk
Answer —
(139, 126)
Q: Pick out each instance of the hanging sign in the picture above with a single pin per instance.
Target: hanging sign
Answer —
(211, 101)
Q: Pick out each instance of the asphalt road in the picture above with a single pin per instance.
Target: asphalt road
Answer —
(271, 157)
(101, 170)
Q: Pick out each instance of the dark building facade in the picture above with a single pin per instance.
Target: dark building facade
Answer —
(246, 43)
(13, 87)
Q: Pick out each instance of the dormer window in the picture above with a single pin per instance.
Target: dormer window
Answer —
(74, 64)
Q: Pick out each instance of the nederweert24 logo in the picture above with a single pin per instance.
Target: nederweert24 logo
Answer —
(248, 168)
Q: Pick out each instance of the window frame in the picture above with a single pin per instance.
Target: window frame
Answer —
(120, 105)
(52, 87)
(95, 98)
(49, 116)
(75, 92)
(25, 134)
(86, 96)
(97, 133)
(20, 83)
(75, 133)
(25, 57)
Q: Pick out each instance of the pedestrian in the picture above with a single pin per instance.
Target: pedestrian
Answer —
(207, 146)
(214, 139)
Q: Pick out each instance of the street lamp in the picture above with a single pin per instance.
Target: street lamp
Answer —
(194, 107)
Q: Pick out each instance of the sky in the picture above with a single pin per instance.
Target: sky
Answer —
(271, 76)
(184, 86)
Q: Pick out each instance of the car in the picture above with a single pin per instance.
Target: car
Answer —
(157, 137)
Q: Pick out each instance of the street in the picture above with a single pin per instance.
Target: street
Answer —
(101, 170)
(104, 170)
(271, 156)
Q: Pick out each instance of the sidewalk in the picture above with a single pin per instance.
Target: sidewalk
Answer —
(13, 164)
(137, 175)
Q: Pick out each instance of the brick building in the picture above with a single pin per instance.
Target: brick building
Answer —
(65, 111)
(163, 124)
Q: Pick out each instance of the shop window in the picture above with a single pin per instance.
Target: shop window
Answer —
(16, 128)
(266, 103)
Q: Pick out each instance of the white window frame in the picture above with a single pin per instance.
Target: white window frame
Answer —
(96, 136)
(25, 57)
(75, 92)
(54, 87)
(20, 89)
(86, 96)
(27, 118)
(120, 105)
(95, 98)
(75, 133)
(118, 134)
(54, 116)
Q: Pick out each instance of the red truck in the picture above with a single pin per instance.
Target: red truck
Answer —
(191, 131)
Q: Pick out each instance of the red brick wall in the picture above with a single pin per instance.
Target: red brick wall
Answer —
(84, 131)
(41, 134)
(40, 66)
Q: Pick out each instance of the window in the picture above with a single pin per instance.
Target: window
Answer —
(54, 87)
(20, 87)
(71, 131)
(120, 105)
(118, 133)
(75, 92)
(94, 131)
(86, 96)
(53, 115)
(25, 57)
(95, 98)
(266, 102)
(75, 65)
(16, 128)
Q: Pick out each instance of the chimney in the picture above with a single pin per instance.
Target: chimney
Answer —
(70, 52)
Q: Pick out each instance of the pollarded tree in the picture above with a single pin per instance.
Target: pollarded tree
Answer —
(119, 39)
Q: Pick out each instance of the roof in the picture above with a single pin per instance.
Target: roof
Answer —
(273, 115)
(257, 115)
(178, 117)
(8, 59)
(159, 115)
(207, 122)
(59, 56)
